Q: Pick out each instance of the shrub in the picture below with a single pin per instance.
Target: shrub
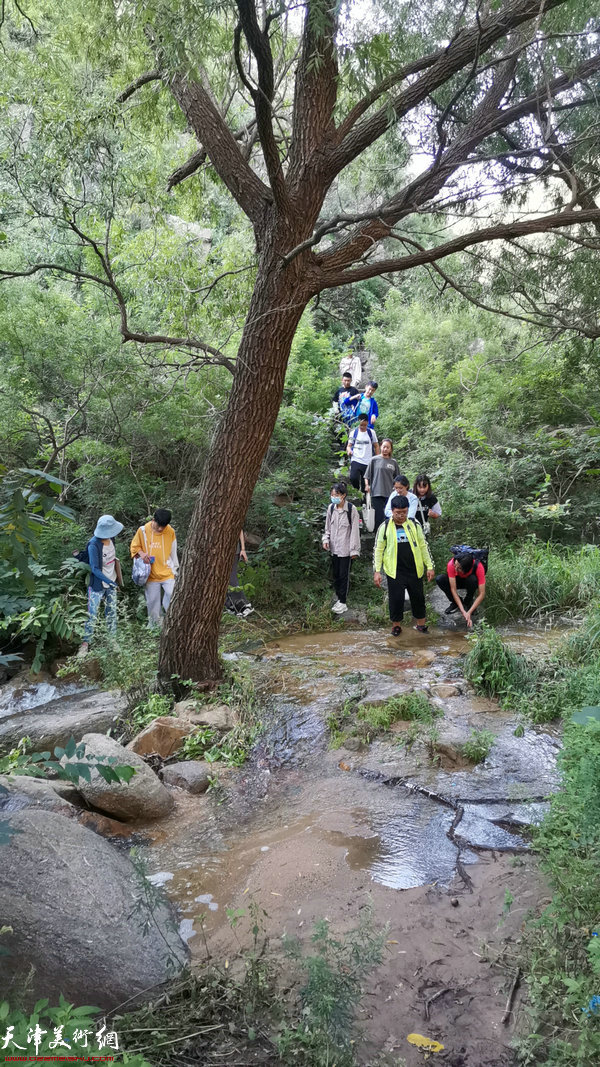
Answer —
(493, 668)
(477, 747)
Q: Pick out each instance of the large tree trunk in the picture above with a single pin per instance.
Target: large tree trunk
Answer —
(189, 645)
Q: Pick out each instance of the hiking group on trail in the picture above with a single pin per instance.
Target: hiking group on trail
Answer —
(399, 517)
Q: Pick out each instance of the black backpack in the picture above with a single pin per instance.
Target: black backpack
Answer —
(480, 555)
(350, 506)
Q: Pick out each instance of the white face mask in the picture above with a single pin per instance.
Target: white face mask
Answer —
(336, 500)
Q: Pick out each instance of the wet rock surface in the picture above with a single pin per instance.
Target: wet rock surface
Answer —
(79, 916)
(192, 775)
(54, 721)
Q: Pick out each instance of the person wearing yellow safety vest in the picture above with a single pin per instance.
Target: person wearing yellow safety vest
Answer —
(401, 547)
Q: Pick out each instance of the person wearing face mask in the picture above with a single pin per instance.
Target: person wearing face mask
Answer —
(156, 543)
(342, 540)
(401, 548)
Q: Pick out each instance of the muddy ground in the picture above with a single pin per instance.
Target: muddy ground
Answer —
(438, 850)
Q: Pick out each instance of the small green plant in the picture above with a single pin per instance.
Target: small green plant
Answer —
(477, 747)
(335, 972)
(493, 668)
(77, 1033)
(155, 706)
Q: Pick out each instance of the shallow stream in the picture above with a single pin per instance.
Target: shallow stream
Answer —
(299, 812)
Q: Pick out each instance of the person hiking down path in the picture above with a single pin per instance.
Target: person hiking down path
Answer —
(342, 539)
(401, 485)
(401, 548)
(105, 575)
(236, 602)
(461, 573)
(366, 405)
(428, 505)
(380, 476)
(156, 543)
(362, 446)
(344, 392)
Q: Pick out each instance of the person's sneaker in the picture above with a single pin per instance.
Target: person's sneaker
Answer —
(339, 608)
(451, 609)
(396, 630)
(247, 611)
(83, 649)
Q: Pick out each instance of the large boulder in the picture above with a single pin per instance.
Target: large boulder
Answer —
(20, 791)
(219, 716)
(143, 797)
(83, 922)
(192, 775)
(162, 737)
(53, 723)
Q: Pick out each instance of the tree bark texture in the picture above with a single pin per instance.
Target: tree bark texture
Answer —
(189, 645)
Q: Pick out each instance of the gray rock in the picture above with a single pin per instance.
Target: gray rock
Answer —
(445, 690)
(219, 716)
(144, 797)
(75, 907)
(191, 775)
(20, 791)
(53, 723)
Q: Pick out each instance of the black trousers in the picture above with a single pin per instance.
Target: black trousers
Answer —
(341, 576)
(379, 503)
(357, 475)
(470, 584)
(397, 587)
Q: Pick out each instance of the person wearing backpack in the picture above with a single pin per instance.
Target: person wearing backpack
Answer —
(105, 577)
(362, 446)
(156, 543)
(352, 408)
(342, 540)
(463, 572)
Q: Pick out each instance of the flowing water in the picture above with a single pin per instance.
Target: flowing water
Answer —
(298, 808)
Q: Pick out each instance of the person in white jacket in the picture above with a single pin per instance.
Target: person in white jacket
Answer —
(342, 540)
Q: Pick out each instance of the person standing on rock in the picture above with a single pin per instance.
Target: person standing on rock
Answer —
(401, 548)
(362, 446)
(156, 543)
(461, 573)
(105, 576)
(380, 476)
(342, 540)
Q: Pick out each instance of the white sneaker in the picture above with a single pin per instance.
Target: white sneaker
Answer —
(339, 608)
(247, 611)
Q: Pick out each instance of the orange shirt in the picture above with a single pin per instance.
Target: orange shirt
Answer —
(158, 545)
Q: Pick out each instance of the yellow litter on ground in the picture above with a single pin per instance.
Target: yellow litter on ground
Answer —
(426, 1043)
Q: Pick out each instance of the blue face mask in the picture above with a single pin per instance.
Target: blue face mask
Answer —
(336, 500)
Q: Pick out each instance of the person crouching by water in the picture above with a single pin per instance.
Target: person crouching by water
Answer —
(342, 539)
(105, 576)
(461, 573)
(156, 543)
(401, 547)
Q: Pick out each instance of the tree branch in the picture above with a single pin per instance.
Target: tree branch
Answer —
(218, 141)
(501, 231)
(150, 76)
(468, 44)
(315, 89)
(258, 42)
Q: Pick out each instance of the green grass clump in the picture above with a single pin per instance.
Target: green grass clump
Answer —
(540, 579)
(370, 720)
(493, 668)
(477, 747)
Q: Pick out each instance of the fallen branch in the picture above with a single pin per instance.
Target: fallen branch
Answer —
(430, 1000)
(511, 996)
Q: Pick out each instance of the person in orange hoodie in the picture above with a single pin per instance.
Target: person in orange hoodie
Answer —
(156, 543)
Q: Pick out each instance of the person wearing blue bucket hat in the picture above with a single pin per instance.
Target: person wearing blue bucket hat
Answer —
(105, 576)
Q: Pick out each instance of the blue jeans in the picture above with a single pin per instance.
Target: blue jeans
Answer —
(110, 610)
